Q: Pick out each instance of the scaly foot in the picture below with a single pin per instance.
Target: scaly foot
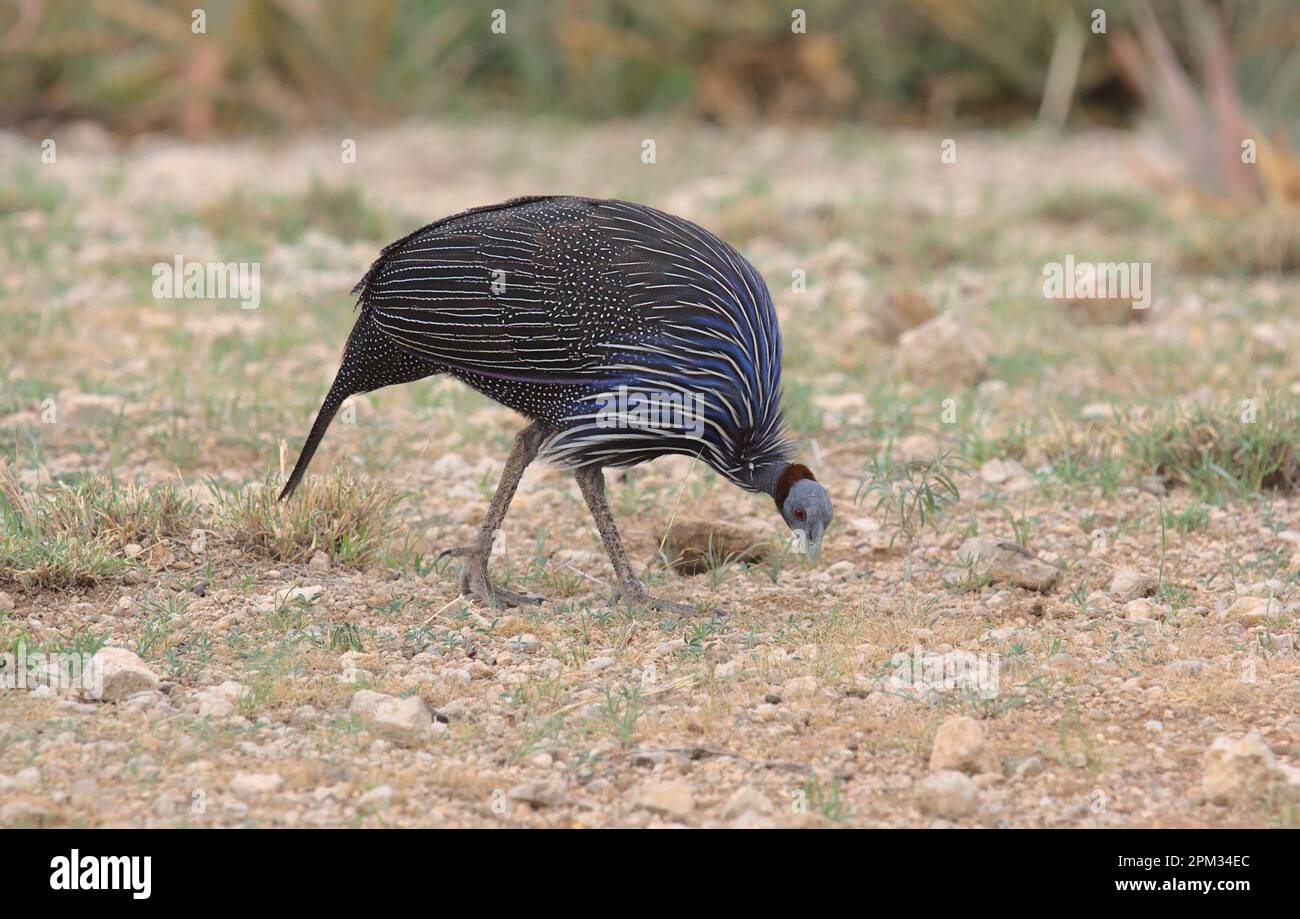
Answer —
(475, 582)
(633, 593)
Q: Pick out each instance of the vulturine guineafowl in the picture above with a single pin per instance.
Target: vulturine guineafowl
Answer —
(622, 332)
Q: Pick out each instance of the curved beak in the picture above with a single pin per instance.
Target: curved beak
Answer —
(814, 544)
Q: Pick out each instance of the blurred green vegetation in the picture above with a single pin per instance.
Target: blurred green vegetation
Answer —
(266, 65)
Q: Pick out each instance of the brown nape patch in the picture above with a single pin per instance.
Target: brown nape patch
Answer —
(795, 472)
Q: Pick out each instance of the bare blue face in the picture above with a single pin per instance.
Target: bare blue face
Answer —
(807, 509)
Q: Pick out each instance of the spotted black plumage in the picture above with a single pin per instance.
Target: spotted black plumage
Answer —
(555, 306)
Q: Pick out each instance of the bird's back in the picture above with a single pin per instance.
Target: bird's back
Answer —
(562, 307)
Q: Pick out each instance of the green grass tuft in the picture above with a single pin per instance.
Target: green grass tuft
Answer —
(1242, 449)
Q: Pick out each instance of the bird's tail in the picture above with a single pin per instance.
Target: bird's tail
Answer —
(333, 399)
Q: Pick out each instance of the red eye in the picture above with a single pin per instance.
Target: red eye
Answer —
(799, 513)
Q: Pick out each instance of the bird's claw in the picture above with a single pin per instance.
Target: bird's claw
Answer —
(474, 581)
(634, 594)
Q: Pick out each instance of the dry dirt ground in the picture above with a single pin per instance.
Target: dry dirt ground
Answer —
(1145, 459)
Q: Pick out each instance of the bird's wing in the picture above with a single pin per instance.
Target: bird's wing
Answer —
(712, 346)
(528, 290)
(595, 295)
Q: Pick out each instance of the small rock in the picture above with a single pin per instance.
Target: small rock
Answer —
(671, 799)
(1028, 768)
(251, 784)
(1252, 610)
(1142, 608)
(305, 715)
(122, 673)
(958, 746)
(1007, 473)
(1271, 588)
(145, 700)
(455, 676)
(320, 564)
(799, 687)
(546, 793)
(351, 676)
(219, 701)
(946, 348)
(947, 794)
(6, 603)
(525, 641)
(132, 550)
(865, 525)
(298, 593)
(1237, 769)
(379, 797)
(83, 792)
(746, 800)
(1002, 561)
(1130, 585)
(728, 668)
(403, 721)
(842, 571)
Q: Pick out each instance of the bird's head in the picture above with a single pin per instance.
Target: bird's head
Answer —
(804, 505)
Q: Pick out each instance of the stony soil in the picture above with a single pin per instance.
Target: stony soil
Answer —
(1113, 674)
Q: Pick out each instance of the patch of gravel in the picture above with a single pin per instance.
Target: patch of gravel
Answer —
(1093, 678)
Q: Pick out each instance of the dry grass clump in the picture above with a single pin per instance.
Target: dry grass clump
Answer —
(120, 513)
(902, 310)
(1109, 209)
(1105, 310)
(1263, 241)
(71, 537)
(34, 560)
(350, 519)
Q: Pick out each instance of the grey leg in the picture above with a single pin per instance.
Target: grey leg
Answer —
(630, 589)
(474, 578)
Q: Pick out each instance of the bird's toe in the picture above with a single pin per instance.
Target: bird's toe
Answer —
(457, 552)
(635, 595)
(508, 598)
(474, 581)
